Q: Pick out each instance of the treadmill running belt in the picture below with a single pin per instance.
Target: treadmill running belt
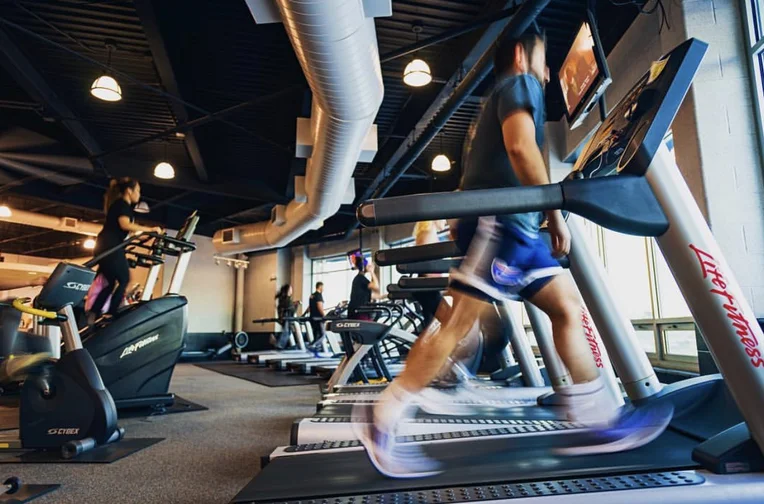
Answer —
(352, 473)
(509, 491)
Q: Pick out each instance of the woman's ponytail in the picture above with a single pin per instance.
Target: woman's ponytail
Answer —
(116, 190)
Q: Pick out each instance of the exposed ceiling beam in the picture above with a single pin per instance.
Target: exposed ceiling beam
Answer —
(238, 214)
(210, 117)
(472, 58)
(26, 75)
(26, 236)
(167, 76)
(251, 190)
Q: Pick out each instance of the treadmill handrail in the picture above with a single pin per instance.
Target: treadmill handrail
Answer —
(428, 267)
(439, 283)
(429, 252)
(622, 203)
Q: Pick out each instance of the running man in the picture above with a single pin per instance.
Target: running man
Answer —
(506, 259)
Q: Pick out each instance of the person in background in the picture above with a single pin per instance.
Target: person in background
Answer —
(123, 194)
(362, 290)
(286, 308)
(317, 312)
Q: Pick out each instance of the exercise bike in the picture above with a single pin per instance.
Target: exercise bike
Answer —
(64, 404)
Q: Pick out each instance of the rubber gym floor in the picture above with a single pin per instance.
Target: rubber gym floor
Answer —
(207, 456)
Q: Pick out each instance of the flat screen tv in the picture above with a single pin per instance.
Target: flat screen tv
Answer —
(584, 74)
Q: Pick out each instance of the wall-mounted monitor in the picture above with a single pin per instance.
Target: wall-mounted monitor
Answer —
(584, 74)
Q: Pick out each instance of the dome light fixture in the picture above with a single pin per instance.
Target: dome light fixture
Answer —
(441, 163)
(164, 171)
(417, 73)
(106, 87)
(5, 211)
(89, 244)
(142, 208)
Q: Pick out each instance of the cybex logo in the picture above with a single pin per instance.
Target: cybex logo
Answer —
(140, 344)
(347, 325)
(77, 286)
(64, 431)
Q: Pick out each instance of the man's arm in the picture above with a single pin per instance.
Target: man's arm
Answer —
(374, 283)
(320, 308)
(519, 132)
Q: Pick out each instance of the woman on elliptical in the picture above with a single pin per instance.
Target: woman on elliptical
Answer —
(123, 194)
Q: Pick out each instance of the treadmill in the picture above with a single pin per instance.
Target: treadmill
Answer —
(625, 180)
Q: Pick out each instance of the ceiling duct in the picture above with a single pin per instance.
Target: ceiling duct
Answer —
(63, 224)
(336, 45)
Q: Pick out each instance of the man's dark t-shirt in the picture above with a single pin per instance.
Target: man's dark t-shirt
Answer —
(360, 294)
(485, 161)
(112, 233)
(315, 298)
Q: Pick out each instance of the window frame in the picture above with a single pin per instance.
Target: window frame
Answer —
(753, 32)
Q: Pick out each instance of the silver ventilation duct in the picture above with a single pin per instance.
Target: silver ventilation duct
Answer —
(64, 224)
(335, 42)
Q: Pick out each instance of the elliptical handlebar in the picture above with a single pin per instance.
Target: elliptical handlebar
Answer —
(162, 245)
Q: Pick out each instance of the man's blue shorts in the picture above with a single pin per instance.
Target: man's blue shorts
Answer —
(502, 261)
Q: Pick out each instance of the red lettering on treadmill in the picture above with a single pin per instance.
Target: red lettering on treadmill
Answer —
(591, 338)
(710, 267)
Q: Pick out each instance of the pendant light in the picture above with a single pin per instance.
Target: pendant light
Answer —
(417, 72)
(441, 163)
(164, 170)
(106, 87)
(5, 211)
(89, 244)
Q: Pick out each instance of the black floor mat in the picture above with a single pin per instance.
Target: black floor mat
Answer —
(102, 455)
(180, 405)
(27, 493)
(262, 375)
(9, 411)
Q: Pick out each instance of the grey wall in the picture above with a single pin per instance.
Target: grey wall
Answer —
(208, 287)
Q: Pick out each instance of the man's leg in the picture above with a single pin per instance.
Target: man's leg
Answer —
(426, 360)
(559, 299)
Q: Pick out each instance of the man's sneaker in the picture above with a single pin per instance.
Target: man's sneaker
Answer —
(390, 458)
(631, 429)
(590, 403)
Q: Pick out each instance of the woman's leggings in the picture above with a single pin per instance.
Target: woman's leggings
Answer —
(116, 271)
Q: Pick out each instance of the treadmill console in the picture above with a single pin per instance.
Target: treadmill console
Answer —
(628, 139)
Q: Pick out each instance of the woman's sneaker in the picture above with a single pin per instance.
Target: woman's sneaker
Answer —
(390, 458)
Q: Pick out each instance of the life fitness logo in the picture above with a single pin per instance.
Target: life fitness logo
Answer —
(710, 268)
(586, 322)
(138, 345)
(77, 286)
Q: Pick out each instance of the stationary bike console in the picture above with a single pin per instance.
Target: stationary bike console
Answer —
(67, 285)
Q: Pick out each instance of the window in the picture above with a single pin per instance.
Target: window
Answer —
(754, 39)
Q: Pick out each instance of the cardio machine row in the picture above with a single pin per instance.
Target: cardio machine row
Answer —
(120, 362)
(711, 450)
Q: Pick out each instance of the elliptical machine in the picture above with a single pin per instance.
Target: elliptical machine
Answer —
(137, 349)
(64, 404)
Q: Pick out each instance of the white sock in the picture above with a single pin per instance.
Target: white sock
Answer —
(582, 388)
(392, 406)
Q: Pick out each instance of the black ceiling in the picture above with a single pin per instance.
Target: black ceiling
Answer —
(179, 61)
